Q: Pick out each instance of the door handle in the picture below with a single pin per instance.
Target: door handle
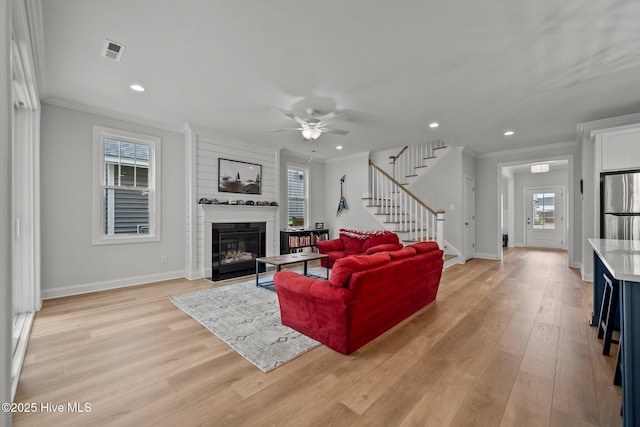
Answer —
(466, 223)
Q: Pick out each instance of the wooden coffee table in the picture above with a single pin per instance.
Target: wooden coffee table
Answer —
(287, 259)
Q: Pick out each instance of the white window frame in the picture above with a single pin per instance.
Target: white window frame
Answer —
(307, 173)
(100, 237)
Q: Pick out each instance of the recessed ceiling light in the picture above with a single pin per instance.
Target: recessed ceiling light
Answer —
(339, 147)
(136, 87)
(509, 133)
(434, 125)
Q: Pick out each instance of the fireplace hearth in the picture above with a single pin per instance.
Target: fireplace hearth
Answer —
(234, 248)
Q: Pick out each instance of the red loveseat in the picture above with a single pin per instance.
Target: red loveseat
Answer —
(352, 242)
(365, 296)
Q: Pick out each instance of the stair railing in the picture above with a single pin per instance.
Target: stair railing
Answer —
(412, 157)
(418, 221)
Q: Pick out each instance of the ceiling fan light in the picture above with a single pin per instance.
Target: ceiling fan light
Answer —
(311, 133)
(306, 133)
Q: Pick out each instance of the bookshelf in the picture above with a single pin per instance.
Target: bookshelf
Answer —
(304, 240)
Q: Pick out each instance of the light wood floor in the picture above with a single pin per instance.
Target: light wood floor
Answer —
(505, 344)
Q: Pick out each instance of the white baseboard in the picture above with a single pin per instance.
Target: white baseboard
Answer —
(194, 275)
(110, 284)
(586, 277)
(21, 351)
(485, 256)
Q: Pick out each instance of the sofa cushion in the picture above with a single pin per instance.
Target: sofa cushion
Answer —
(385, 247)
(376, 238)
(401, 254)
(424, 247)
(344, 267)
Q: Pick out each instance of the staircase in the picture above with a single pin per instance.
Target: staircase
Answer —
(398, 209)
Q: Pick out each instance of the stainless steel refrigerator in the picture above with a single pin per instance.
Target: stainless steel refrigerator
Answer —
(620, 205)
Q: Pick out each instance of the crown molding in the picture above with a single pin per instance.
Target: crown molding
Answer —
(628, 119)
(534, 149)
(465, 149)
(171, 127)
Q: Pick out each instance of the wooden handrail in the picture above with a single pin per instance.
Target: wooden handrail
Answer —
(439, 211)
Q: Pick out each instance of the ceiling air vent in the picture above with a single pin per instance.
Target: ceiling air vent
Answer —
(112, 50)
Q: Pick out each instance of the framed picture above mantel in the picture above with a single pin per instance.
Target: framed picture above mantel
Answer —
(235, 176)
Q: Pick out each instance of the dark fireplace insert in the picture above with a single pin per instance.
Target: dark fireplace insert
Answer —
(235, 247)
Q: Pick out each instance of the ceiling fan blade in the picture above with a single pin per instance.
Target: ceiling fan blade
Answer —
(282, 130)
(332, 116)
(296, 118)
(336, 131)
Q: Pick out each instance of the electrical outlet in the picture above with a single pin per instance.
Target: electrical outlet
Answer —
(163, 259)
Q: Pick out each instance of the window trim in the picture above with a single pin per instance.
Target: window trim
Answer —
(307, 177)
(99, 237)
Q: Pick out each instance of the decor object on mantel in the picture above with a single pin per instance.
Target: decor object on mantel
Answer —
(235, 176)
(365, 296)
(354, 242)
(247, 318)
(342, 204)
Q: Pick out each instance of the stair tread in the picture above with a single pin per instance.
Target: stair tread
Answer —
(439, 148)
(430, 157)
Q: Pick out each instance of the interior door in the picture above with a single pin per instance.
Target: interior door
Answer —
(469, 217)
(544, 217)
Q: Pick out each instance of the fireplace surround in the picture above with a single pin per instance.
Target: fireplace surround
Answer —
(209, 215)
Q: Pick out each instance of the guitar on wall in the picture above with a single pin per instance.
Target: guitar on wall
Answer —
(342, 204)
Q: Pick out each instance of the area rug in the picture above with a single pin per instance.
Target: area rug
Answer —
(247, 318)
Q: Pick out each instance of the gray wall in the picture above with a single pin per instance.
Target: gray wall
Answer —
(70, 263)
(5, 210)
(356, 171)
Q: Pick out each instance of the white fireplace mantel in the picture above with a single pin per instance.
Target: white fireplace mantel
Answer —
(235, 214)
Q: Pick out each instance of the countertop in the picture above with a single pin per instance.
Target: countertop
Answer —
(621, 257)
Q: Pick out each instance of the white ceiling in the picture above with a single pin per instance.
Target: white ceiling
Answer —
(479, 68)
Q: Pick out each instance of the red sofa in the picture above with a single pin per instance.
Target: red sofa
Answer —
(365, 296)
(352, 242)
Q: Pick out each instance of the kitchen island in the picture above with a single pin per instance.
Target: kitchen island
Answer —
(620, 260)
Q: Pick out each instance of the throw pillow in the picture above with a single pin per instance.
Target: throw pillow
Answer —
(386, 247)
(380, 239)
(344, 267)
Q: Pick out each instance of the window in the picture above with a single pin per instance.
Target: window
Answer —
(297, 203)
(544, 205)
(126, 206)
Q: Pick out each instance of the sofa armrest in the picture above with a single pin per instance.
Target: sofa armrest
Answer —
(289, 283)
(325, 246)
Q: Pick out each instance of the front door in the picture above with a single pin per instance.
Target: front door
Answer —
(544, 217)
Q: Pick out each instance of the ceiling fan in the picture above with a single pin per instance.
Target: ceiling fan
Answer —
(314, 126)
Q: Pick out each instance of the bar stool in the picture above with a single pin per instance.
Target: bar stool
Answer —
(608, 314)
(617, 378)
